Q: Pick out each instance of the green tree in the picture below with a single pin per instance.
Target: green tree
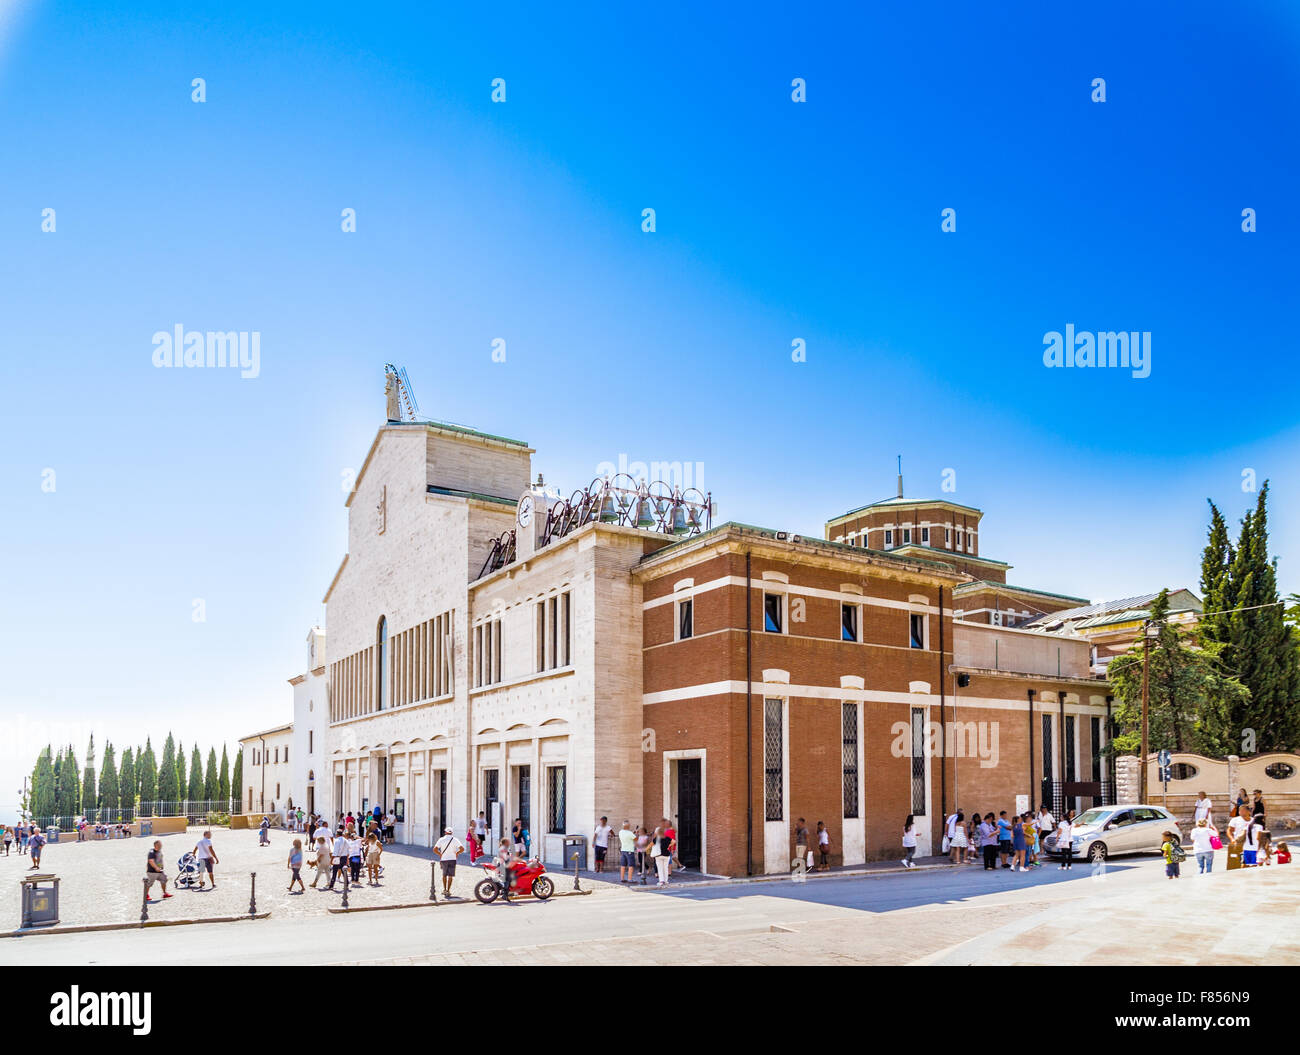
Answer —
(223, 779)
(43, 789)
(89, 789)
(210, 784)
(128, 784)
(148, 768)
(182, 785)
(168, 789)
(237, 781)
(1191, 698)
(69, 786)
(108, 785)
(195, 790)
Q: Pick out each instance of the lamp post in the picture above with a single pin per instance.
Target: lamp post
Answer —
(1149, 630)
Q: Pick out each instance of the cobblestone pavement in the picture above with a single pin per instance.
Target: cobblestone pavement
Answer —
(101, 881)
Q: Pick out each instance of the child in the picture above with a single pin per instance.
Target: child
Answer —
(1171, 850)
(1031, 838)
(1283, 854)
(295, 867)
(909, 842)
(1265, 848)
(372, 859)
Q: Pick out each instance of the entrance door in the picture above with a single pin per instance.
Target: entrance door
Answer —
(689, 833)
(311, 801)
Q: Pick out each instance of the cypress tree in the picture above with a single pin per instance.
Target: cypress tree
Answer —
(223, 778)
(1216, 559)
(182, 785)
(195, 790)
(69, 786)
(108, 786)
(237, 781)
(128, 784)
(210, 785)
(168, 790)
(43, 785)
(89, 789)
(148, 770)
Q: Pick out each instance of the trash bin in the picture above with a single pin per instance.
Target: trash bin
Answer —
(146, 828)
(40, 900)
(575, 844)
(51, 834)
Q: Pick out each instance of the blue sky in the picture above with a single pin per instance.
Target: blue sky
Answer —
(522, 221)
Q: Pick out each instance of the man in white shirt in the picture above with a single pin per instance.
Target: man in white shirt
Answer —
(446, 850)
(322, 832)
(600, 840)
(340, 858)
(206, 857)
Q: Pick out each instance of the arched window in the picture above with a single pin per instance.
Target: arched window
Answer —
(381, 639)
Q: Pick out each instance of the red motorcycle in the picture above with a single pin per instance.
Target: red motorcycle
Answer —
(526, 877)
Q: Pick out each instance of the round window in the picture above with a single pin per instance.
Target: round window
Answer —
(1182, 771)
(1279, 770)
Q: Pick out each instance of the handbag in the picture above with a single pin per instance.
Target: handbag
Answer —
(1216, 843)
(945, 844)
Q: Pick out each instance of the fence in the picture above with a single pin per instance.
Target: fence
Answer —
(195, 811)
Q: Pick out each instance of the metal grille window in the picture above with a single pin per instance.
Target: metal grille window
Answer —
(685, 619)
(555, 788)
(849, 737)
(773, 761)
(918, 762)
(525, 795)
(1047, 747)
(1096, 748)
(849, 622)
(1069, 747)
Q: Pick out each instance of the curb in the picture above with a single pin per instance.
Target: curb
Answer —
(84, 928)
(875, 873)
(441, 903)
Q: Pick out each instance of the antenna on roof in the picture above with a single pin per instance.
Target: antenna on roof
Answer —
(402, 404)
(900, 476)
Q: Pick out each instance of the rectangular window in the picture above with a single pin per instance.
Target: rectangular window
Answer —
(566, 639)
(947, 537)
(685, 619)
(541, 636)
(925, 536)
(491, 791)
(525, 800)
(311, 741)
(772, 621)
(907, 536)
(773, 761)
(916, 630)
(286, 754)
(553, 640)
(918, 762)
(1069, 748)
(496, 650)
(970, 542)
(478, 656)
(849, 748)
(555, 800)
(1047, 747)
(889, 538)
(1097, 746)
(848, 622)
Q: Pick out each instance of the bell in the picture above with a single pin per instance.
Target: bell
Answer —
(645, 519)
(608, 512)
(680, 527)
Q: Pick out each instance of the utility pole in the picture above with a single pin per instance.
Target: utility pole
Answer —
(1146, 678)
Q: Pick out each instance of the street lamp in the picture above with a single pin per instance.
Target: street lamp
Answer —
(1150, 632)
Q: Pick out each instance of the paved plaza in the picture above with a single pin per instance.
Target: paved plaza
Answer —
(100, 882)
(1130, 914)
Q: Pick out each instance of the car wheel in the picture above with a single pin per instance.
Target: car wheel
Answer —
(1097, 852)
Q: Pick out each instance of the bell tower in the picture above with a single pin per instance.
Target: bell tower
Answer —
(531, 514)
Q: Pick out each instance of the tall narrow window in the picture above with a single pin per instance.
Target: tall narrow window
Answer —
(916, 630)
(541, 636)
(925, 536)
(555, 791)
(889, 538)
(496, 650)
(311, 741)
(1048, 754)
(1097, 747)
(1069, 748)
(848, 622)
(381, 639)
(918, 762)
(907, 536)
(554, 640)
(566, 636)
(685, 619)
(849, 752)
(772, 621)
(947, 537)
(525, 799)
(773, 761)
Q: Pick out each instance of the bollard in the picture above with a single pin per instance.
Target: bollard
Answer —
(576, 885)
(252, 896)
(345, 889)
(144, 905)
(433, 880)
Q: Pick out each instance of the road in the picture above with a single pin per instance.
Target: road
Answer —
(943, 915)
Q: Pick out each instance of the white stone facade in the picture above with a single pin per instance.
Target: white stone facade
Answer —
(308, 784)
(268, 770)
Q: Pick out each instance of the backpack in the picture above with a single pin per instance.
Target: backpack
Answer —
(1177, 854)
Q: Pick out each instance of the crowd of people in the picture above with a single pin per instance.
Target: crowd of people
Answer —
(1000, 840)
(26, 839)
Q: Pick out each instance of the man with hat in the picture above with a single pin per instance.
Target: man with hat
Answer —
(446, 851)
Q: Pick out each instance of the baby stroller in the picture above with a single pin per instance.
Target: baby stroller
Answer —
(188, 871)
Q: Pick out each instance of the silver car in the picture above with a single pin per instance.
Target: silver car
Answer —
(1105, 830)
